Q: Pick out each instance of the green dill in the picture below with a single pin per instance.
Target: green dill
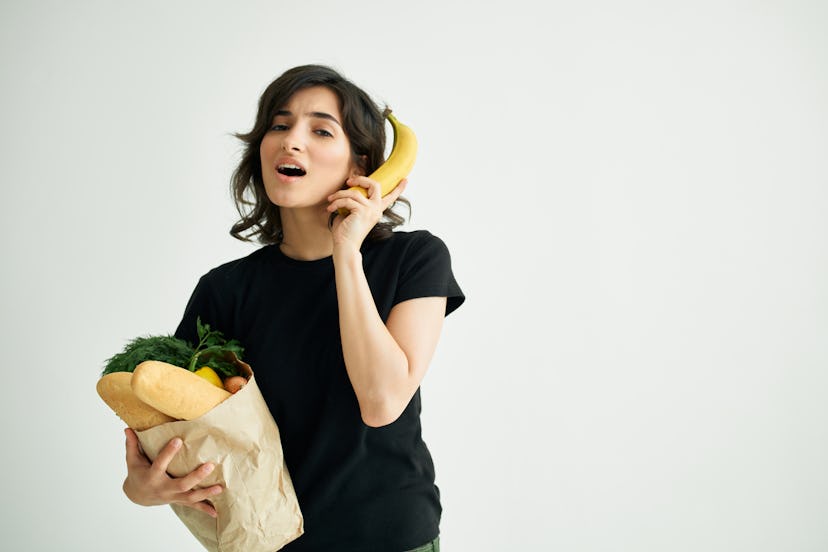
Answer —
(165, 348)
(212, 350)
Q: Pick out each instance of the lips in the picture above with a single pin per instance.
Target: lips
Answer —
(290, 168)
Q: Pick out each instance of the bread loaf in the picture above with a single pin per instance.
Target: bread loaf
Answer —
(116, 391)
(175, 391)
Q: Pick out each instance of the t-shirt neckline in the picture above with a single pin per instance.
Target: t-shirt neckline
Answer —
(280, 256)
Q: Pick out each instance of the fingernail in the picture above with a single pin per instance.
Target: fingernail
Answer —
(208, 468)
(176, 442)
(216, 491)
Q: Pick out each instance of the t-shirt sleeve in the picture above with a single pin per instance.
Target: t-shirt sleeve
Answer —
(426, 272)
(202, 304)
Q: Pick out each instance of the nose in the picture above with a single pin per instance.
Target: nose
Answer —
(291, 141)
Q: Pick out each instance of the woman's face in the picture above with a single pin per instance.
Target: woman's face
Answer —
(306, 155)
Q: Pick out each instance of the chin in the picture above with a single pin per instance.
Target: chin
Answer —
(294, 201)
(275, 197)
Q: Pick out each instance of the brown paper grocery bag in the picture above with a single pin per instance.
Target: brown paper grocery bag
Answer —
(258, 510)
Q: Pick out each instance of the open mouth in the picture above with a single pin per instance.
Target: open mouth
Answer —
(290, 170)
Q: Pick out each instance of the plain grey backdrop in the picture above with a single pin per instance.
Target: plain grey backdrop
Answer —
(634, 195)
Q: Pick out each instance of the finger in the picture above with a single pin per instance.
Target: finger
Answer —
(162, 461)
(374, 190)
(359, 180)
(205, 507)
(189, 481)
(353, 193)
(371, 186)
(394, 194)
(131, 443)
(347, 203)
(134, 456)
(200, 495)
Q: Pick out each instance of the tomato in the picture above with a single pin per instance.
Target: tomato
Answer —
(234, 383)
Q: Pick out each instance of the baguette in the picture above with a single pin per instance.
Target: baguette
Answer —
(116, 391)
(175, 391)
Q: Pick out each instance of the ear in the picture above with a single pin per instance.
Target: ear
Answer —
(358, 166)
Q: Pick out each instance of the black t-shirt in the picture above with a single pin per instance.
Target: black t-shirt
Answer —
(360, 488)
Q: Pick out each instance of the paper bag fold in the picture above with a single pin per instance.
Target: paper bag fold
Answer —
(258, 510)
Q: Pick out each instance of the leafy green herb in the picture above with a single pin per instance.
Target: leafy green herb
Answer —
(212, 350)
(165, 348)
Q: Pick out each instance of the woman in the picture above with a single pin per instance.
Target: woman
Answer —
(339, 316)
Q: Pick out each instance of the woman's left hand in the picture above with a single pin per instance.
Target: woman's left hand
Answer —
(364, 212)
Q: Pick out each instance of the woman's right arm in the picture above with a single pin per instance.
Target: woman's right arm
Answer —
(148, 483)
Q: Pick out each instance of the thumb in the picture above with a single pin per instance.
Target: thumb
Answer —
(394, 194)
(133, 450)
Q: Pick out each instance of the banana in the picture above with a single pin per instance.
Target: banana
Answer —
(399, 163)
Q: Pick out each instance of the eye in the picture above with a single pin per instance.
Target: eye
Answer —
(323, 132)
(279, 126)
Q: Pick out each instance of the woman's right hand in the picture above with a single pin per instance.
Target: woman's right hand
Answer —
(148, 483)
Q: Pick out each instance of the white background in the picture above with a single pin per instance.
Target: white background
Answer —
(634, 195)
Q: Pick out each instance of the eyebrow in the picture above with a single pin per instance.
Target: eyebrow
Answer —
(316, 114)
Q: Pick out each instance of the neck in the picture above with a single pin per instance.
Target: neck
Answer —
(305, 232)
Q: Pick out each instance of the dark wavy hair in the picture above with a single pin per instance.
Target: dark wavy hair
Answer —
(364, 125)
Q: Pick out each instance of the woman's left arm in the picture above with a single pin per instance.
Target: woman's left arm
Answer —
(385, 361)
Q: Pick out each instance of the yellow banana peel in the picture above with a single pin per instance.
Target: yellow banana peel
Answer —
(399, 163)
